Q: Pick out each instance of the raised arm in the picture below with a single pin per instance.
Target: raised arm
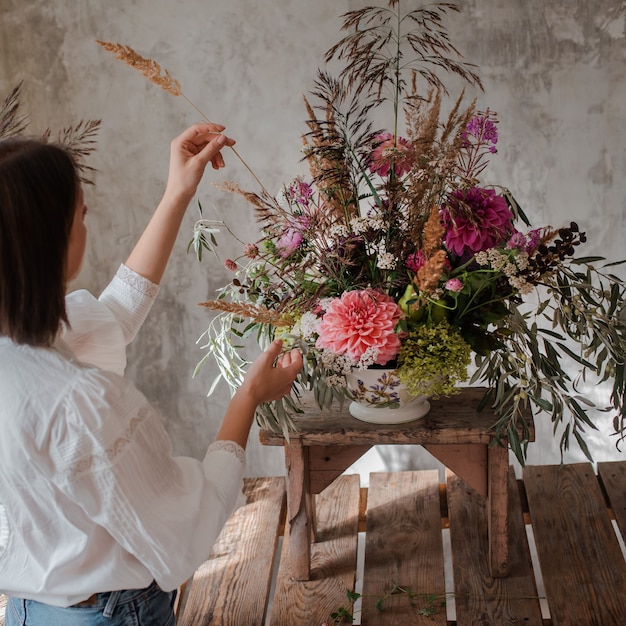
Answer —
(190, 153)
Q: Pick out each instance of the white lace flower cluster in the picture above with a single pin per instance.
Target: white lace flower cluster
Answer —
(510, 266)
(340, 364)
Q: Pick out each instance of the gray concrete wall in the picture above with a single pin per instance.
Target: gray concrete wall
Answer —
(554, 70)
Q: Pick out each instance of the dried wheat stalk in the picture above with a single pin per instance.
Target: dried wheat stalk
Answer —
(161, 77)
(149, 68)
(258, 314)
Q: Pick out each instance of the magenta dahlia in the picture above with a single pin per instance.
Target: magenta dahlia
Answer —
(475, 219)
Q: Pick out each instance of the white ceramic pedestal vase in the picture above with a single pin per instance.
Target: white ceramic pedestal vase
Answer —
(379, 397)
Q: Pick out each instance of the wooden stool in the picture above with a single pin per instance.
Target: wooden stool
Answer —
(454, 431)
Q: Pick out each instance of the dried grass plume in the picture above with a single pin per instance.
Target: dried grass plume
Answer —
(149, 68)
(258, 314)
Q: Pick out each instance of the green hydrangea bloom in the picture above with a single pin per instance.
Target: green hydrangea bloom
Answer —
(433, 360)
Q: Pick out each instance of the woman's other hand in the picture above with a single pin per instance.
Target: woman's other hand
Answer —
(271, 375)
(269, 378)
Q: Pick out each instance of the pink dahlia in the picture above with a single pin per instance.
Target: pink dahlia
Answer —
(475, 219)
(359, 321)
(388, 151)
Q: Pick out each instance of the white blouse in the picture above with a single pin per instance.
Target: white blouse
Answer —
(91, 498)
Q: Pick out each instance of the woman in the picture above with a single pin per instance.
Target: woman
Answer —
(99, 523)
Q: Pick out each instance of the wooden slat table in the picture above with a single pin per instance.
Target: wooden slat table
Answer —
(454, 431)
(566, 565)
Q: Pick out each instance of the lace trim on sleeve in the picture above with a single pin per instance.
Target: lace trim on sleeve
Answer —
(231, 447)
(136, 281)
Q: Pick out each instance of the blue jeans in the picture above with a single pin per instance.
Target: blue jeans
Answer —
(135, 607)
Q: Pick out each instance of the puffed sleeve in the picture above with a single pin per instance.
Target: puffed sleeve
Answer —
(114, 459)
(100, 329)
(94, 335)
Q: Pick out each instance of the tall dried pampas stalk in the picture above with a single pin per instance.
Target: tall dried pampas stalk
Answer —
(149, 68)
(258, 314)
(155, 74)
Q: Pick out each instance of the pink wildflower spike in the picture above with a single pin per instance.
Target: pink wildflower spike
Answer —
(251, 251)
(484, 130)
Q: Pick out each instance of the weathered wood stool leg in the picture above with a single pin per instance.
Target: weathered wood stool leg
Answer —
(299, 509)
(498, 510)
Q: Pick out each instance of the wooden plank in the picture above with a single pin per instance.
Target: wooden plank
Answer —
(333, 560)
(328, 462)
(498, 510)
(232, 586)
(582, 565)
(451, 420)
(300, 512)
(466, 460)
(479, 597)
(403, 546)
(613, 475)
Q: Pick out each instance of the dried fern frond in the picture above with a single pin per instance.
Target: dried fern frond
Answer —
(79, 141)
(149, 68)
(256, 313)
(334, 144)
(11, 121)
(155, 74)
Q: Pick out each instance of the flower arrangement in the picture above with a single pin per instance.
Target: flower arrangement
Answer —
(398, 251)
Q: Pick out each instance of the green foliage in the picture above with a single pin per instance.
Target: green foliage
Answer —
(573, 337)
(425, 604)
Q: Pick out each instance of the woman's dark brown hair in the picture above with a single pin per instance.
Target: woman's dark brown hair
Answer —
(38, 194)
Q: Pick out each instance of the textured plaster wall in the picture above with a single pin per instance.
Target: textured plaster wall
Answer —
(553, 69)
